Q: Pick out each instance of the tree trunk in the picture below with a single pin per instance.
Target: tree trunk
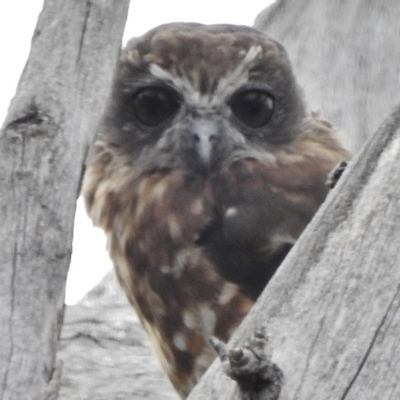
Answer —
(332, 310)
(43, 145)
(345, 56)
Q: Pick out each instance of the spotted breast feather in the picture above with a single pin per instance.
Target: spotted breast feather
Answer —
(206, 170)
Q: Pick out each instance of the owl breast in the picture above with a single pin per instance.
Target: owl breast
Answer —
(153, 223)
(193, 253)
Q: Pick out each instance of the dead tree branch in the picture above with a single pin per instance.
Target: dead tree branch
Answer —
(43, 145)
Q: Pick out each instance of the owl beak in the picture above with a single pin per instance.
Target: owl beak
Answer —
(204, 134)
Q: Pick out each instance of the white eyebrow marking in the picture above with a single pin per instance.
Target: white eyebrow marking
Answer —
(181, 82)
(225, 87)
(239, 75)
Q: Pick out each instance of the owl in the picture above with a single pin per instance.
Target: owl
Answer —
(207, 167)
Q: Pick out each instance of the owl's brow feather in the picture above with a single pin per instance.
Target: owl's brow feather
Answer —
(226, 85)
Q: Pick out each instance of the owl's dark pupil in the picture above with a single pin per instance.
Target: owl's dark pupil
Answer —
(252, 107)
(153, 106)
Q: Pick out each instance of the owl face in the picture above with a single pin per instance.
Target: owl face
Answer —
(196, 97)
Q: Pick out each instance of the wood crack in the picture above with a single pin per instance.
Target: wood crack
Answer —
(370, 347)
(309, 355)
(84, 28)
(12, 307)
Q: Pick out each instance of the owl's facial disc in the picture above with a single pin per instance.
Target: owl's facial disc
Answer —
(195, 98)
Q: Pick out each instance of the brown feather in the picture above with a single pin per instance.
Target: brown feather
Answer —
(194, 250)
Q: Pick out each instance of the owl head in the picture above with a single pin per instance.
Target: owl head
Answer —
(193, 97)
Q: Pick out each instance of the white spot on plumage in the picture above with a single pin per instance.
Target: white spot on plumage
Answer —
(209, 320)
(231, 212)
(142, 187)
(228, 292)
(196, 207)
(174, 228)
(158, 191)
(182, 258)
(165, 269)
(140, 209)
(179, 341)
(189, 319)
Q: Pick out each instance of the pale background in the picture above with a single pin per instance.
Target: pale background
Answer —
(17, 22)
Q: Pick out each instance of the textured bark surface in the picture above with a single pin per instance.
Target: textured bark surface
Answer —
(332, 311)
(106, 353)
(43, 145)
(345, 56)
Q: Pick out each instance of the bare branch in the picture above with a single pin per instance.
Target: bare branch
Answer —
(43, 145)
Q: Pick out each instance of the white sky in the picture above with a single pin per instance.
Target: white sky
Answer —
(17, 22)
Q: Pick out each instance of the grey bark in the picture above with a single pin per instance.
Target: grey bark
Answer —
(43, 144)
(332, 311)
(107, 355)
(345, 54)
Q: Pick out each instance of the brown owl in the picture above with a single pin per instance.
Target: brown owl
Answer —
(207, 168)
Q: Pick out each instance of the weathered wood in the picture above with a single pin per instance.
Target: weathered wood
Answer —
(332, 310)
(345, 56)
(43, 144)
(106, 353)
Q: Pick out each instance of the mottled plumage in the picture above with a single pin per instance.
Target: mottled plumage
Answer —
(207, 168)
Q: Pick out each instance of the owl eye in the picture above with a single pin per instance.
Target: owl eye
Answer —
(152, 106)
(252, 107)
